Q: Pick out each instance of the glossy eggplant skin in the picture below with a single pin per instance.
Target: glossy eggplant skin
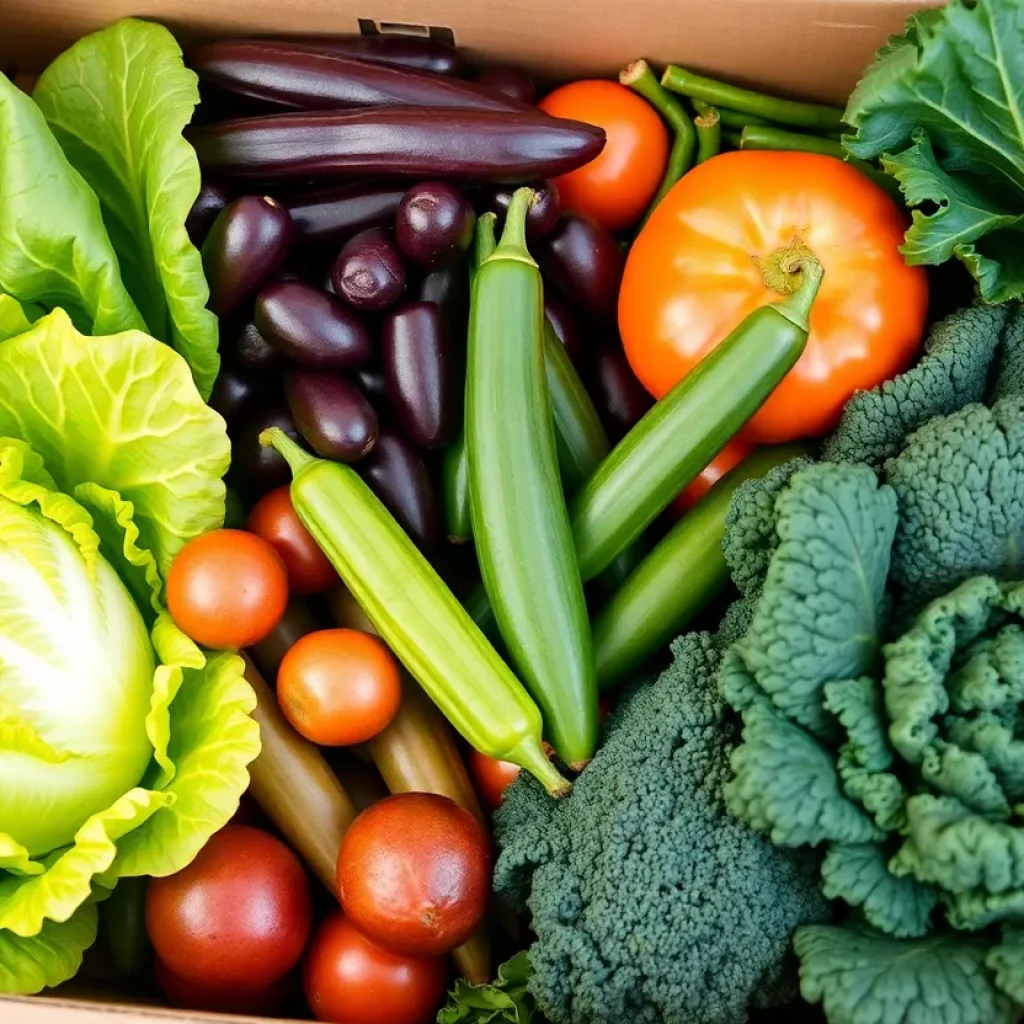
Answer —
(247, 244)
(254, 468)
(435, 224)
(416, 352)
(236, 395)
(286, 76)
(311, 327)
(205, 210)
(402, 50)
(508, 80)
(332, 414)
(621, 399)
(369, 272)
(477, 145)
(247, 349)
(331, 216)
(543, 215)
(566, 326)
(585, 263)
(397, 474)
(373, 383)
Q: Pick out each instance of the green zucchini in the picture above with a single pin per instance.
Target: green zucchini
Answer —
(521, 526)
(687, 428)
(677, 580)
(418, 617)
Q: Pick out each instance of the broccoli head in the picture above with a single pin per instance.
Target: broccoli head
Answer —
(649, 902)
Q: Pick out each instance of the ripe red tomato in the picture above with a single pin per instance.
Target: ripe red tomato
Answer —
(227, 589)
(695, 271)
(491, 777)
(414, 874)
(617, 186)
(339, 686)
(245, 999)
(274, 519)
(725, 461)
(238, 915)
(350, 980)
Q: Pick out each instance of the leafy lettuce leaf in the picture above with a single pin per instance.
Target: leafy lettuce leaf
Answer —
(506, 1000)
(944, 107)
(54, 248)
(123, 413)
(15, 318)
(27, 966)
(118, 102)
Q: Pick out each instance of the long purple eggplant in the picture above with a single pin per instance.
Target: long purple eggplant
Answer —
(481, 145)
(332, 216)
(404, 51)
(284, 76)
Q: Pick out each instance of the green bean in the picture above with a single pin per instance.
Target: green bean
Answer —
(709, 134)
(639, 77)
(746, 101)
(731, 118)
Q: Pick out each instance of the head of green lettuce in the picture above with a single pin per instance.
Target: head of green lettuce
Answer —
(123, 746)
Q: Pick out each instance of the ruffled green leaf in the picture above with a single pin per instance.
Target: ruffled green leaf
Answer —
(1007, 960)
(55, 251)
(965, 776)
(862, 977)
(506, 1000)
(973, 911)
(117, 102)
(121, 412)
(14, 317)
(988, 736)
(859, 875)
(28, 965)
(16, 859)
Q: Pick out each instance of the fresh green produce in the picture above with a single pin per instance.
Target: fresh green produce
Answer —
(941, 107)
(677, 580)
(524, 542)
(684, 431)
(507, 1000)
(608, 872)
(415, 613)
(709, 134)
(124, 747)
(118, 102)
(896, 747)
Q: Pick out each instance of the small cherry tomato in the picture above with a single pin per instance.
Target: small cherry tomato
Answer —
(617, 186)
(715, 244)
(274, 519)
(725, 461)
(245, 999)
(349, 979)
(238, 915)
(339, 686)
(414, 873)
(491, 777)
(227, 589)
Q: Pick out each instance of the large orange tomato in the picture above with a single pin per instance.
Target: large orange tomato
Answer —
(617, 186)
(695, 272)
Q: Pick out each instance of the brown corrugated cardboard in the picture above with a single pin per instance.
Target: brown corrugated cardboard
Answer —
(813, 49)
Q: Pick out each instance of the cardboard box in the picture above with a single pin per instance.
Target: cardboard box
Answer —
(810, 49)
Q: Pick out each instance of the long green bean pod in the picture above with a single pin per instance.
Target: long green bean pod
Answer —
(639, 77)
(709, 134)
(730, 118)
(419, 618)
(747, 101)
(524, 542)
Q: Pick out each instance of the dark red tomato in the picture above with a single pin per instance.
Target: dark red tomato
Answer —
(491, 777)
(245, 999)
(727, 459)
(227, 589)
(275, 520)
(414, 874)
(238, 915)
(350, 980)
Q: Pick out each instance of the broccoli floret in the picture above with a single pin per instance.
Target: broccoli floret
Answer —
(650, 904)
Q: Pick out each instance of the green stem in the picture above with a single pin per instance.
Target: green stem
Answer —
(296, 458)
(746, 101)
(796, 307)
(758, 137)
(731, 118)
(512, 245)
(639, 77)
(709, 134)
(484, 244)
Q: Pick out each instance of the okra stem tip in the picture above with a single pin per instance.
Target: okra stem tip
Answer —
(512, 244)
(634, 71)
(276, 438)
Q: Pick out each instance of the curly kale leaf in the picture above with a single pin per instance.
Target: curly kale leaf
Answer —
(506, 1000)
(863, 977)
(650, 902)
(1007, 960)
(944, 109)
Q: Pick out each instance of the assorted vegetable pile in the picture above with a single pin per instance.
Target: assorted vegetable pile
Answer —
(558, 550)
